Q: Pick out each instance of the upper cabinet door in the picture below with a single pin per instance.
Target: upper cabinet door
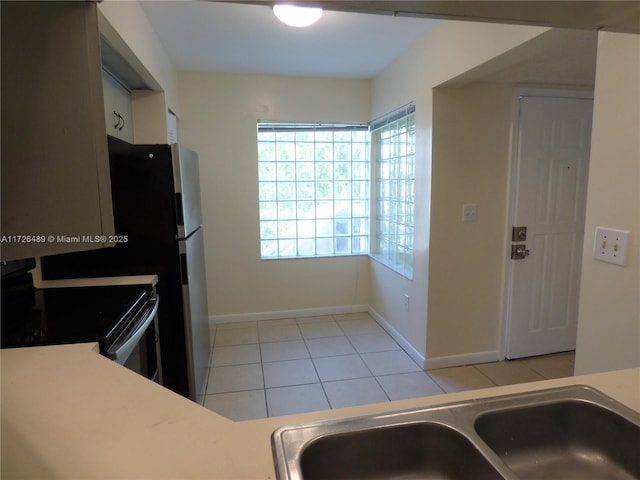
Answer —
(56, 194)
(117, 108)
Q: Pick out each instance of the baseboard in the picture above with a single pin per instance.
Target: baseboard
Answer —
(427, 363)
(295, 313)
(462, 359)
(406, 346)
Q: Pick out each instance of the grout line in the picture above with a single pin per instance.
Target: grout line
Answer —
(382, 388)
(533, 370)
(356, 352)
(436, 382)
(264, 383)
(484, 375)
(315, 369)
(346, 336)
(440, 386)
(266, 404)
(206, 385)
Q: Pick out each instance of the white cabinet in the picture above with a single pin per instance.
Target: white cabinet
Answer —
(56, 194)
(117, 108)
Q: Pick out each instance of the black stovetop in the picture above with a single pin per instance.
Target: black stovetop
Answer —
(33, 317)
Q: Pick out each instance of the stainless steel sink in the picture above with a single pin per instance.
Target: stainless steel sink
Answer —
(567, 440)
(412, 450)
(558, 434)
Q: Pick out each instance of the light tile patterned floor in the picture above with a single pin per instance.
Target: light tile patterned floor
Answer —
(286, 366)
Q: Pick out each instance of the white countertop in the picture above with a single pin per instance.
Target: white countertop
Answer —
(68, 412)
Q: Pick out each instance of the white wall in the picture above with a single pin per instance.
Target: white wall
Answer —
(219, 118)
(609, 324)
(609, 315)
(447, 51)
(132, 25)
(471, 156)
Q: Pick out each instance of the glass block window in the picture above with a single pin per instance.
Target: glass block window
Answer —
(313, 189)
(393, 140)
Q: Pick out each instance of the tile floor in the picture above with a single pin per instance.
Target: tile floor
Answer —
(280, 367)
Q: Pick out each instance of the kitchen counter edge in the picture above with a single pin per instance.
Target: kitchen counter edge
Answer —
(68, 412)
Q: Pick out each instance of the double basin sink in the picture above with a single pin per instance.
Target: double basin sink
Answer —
(569, 433)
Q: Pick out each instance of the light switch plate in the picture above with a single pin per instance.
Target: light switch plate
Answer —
(610, 245)
(470, 212)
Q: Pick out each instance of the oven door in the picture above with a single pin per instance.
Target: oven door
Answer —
(137, 347)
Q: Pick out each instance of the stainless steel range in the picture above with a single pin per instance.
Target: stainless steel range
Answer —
(121, 318)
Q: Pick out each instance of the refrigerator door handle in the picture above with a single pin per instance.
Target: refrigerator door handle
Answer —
(183, 269)
(186, 182)
(179, 209)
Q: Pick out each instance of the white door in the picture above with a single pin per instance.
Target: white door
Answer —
(551, 163)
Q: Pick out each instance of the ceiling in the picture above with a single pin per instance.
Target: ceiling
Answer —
(558, 57)
(225, 37)
(245, 37)
(608, 15)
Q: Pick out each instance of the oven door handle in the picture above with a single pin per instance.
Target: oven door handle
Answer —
(124, 351)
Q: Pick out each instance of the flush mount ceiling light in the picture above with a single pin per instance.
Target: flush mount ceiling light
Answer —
(297, 16)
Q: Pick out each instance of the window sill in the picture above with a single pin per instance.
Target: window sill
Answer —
(268, 259)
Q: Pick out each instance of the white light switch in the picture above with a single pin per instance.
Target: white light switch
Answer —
(470, 212)
(610, 245)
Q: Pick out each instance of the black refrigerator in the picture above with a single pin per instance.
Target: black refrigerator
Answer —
(158, 225)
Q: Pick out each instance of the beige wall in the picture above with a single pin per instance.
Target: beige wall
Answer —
(471, 155)
(609, 315)
(446, 52)
(130, 22)
(609, 330)
(219, 118)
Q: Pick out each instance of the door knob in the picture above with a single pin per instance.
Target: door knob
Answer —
(519, 252)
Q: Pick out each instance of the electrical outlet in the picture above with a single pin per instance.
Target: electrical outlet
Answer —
(406, 302)
(610, 245)
(469, 212)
